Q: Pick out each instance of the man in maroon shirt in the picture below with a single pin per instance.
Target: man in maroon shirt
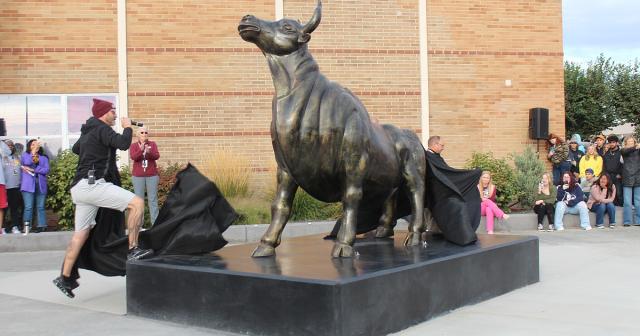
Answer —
(144, 154)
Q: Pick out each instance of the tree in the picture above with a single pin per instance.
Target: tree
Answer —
(626, 93)
(588, 97)
(601, 95)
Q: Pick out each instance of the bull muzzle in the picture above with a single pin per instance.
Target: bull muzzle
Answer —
(248, 26)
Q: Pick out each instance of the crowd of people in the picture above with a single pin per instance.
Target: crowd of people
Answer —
(592, 178)
(24, 185)
(598, 180)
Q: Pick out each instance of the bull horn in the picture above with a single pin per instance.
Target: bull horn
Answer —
(315, 20)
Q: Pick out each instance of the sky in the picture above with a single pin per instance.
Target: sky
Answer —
(594, 27)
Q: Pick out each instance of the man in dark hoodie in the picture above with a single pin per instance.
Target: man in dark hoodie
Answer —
(90, 190)
(611, 165)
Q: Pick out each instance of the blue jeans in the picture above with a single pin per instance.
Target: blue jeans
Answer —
(558, 169)
(151, 185)
(600, 209)
(579, 209)
(626, 213)
(29, 198)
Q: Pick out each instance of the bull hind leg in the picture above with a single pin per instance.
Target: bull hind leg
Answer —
(386, 222)
(414, 173)
(280, 212)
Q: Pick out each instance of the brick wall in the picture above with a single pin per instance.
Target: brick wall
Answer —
(474, 46)
(201, 88)
(58, 46)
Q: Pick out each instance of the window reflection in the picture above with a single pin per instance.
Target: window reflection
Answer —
(44, 115)
(79, 110)
(41, 116)
(13, 110)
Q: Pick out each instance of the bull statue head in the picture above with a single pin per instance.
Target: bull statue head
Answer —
(280, 37)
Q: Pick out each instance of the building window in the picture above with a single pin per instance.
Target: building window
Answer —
(54, 119)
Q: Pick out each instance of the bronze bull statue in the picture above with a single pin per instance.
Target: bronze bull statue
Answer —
(325, 142)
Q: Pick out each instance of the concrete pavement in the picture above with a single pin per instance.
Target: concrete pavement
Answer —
(589, 286)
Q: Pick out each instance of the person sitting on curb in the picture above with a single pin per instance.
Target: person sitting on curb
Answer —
(587, 181)
(545, 202)
(603, 193)
(570, 199)
(488, 207)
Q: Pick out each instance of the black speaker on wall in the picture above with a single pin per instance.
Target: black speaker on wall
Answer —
(539, 123)
(3, 128)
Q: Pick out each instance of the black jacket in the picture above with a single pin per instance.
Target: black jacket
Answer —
(97, 145)
(575, 156)
(631, 167)
(611, 162)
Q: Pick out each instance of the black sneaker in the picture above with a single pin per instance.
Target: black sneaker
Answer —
(137, 253)
(65, 286)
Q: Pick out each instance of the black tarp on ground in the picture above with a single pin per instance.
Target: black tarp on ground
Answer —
(451, 196)
(191, 221)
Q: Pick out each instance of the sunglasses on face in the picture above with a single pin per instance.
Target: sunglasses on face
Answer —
(144, 132)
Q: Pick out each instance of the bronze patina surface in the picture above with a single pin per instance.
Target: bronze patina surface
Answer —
(325, 142)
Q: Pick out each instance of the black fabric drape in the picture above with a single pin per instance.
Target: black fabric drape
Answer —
(453, 198)
(191, 221)
(451, 195)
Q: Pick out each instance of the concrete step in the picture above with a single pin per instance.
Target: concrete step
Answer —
(529, 221)
(238, 234)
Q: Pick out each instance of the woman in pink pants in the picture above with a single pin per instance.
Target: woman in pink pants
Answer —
(488, 206)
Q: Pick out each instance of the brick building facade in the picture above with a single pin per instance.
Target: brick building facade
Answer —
(201, 88)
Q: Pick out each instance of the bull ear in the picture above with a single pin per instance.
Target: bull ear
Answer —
(315, 20)
(304, 38)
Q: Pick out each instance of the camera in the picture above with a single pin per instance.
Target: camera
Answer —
(137, 123)
(91, 176)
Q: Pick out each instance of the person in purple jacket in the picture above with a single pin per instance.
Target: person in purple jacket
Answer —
(35, 167)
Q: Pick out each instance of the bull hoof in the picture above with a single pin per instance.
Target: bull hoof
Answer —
(263, 250)
(413, 239)
(341, 250)
(384, 232)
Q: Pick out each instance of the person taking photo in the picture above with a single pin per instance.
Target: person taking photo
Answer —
(92, 188)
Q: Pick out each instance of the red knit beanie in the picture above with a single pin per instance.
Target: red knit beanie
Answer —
(101, 107)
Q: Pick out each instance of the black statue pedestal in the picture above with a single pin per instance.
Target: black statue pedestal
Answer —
(303, 291)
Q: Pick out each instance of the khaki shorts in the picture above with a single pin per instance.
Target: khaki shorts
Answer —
(89, 197)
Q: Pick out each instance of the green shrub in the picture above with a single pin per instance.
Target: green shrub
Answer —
(167, 176)
(61, 173)
(502, 174)
(529, 169)
(306, 207)
(253, 215)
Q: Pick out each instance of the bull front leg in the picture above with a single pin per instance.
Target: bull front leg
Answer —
(280, 212)
(343, 247)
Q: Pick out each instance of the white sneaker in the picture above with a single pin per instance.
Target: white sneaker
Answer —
(588, 228)
(561, 228)
(4, 232)
(15, 230)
